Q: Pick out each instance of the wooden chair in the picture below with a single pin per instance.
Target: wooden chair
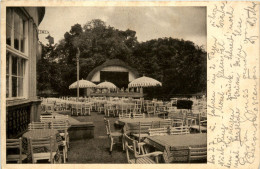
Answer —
(62, 127)
(46, 118)
(165, 123)
(158, 131)
(112, 135)
(42, 142)
(177, 122)
(197, 154)
(79, 107)
(150, 109)
(131, 147)
(121, 108)
(131, 107)
(38, 125)
(86, 109)
(138, 106)
(73, 109)
(141, 131)
(15, 144)
(179, 130)
(101, 107)
(110, 110)
(124, 115)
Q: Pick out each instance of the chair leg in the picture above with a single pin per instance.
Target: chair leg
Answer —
(123, 143)
(64, 153)
(111, 144)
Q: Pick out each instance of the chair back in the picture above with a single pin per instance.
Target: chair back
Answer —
(46, 118)
(158, 131)
(39, 143)
(165, 123)
(177, 122)
(107, 124)
(139, 115)
(179, 130)
(59, 125)
(124, 115)
(130, 147)
(197, 154)
(38, 125)
(64, 118)
(15, 144)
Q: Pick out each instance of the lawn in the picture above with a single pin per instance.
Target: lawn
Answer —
(96, 150)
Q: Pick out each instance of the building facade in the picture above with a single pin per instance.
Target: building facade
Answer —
(22, 104)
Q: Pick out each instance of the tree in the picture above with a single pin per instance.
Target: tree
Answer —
(180, 65)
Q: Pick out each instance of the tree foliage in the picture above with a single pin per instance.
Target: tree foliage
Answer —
(180, 65)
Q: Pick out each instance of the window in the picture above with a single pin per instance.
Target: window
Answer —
(16, 58)
(15, 73)
(15, 30)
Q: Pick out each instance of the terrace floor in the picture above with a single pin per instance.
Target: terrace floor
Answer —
(95, 150)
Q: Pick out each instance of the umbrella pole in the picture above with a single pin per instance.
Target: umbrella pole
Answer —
(78, 53)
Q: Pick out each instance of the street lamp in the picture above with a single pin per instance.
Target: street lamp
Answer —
(77, 57)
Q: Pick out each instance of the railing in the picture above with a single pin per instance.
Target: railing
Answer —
(18, 116)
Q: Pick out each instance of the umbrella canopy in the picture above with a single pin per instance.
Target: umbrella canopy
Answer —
(144, 82)
(82, 84)
(106, 85)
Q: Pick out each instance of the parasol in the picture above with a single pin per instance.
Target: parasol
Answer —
(106, 85)
(144, 82)
(82, 84)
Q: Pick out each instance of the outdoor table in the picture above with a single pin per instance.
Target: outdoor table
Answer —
(177, 146)
(42, 133)
(47, 106)
(125, 121)
(196, 128)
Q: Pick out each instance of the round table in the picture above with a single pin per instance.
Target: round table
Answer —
(42, 133)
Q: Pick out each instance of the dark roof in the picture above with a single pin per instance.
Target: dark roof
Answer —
(112, 62)
(41, 11)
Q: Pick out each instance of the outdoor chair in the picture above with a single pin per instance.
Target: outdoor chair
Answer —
(131, 107)
(165, 123)
(73, 109)
(38, 125)
(177, 122)
(179, 130)
(15, 144)
(140, 132)
(112, 135)
(58, 106)
(101, 107)
(62, 127)
(124, 115)
(150, 109)
(197, 154)
(135, 158)
(158, 131)
(138, 106)
(122, 108)
(111, 110)
(42, 142)
(86, 109)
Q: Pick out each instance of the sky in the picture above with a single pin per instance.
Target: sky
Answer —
(188, 23)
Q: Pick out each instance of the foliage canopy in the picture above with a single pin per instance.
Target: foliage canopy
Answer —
(180, 65)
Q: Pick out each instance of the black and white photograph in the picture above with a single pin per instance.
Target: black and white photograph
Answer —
(106, 84)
